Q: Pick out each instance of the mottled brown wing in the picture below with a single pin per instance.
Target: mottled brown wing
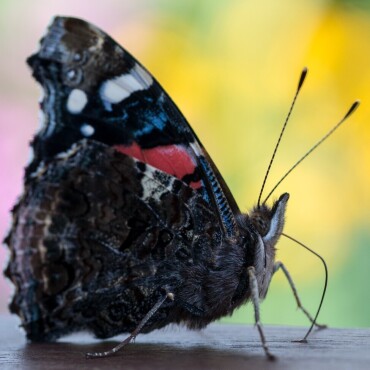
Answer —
(97, 237)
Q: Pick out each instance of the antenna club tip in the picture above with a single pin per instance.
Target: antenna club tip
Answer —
(303, 77)
(354, 106)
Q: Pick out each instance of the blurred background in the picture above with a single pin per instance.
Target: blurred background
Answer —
(232, 67)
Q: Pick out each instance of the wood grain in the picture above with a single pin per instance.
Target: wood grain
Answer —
(217, 347)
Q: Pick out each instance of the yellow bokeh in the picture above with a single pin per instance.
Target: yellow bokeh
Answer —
(231, 82)
(235, 79)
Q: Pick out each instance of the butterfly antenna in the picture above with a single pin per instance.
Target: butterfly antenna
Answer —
(325, 284)
(350, 111)
(300, 83)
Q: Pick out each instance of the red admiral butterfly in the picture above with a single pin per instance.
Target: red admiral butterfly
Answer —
(125, 224)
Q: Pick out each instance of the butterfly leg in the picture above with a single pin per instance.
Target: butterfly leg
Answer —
(279, 265)
(133, 335)
(253, 285)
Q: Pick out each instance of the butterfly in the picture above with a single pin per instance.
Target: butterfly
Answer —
(125, 224)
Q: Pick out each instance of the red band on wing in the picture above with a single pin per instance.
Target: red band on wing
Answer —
(172, 159)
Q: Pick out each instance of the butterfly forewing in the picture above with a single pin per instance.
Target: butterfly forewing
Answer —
(95, 89)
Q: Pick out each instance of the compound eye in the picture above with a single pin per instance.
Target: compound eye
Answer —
(261, 224)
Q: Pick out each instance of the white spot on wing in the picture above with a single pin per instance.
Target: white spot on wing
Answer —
(87, 130)
(150, 173)
(196, 148)
(77, 100)
(151, 188)
(121, 87)
(144, 78)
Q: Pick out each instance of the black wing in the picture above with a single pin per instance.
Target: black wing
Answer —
(95, 89)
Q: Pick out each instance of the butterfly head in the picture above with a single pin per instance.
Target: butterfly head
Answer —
(269, 224)
(269, 221)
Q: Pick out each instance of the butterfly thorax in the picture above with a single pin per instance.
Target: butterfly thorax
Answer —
(254, 247)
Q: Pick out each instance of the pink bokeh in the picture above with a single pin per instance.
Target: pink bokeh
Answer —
(16, 129)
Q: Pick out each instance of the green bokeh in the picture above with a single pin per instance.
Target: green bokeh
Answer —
(360, 4)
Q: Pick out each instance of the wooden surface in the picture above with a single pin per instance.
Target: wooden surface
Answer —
(217, 347)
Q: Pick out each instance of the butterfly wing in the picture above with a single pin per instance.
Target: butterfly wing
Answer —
(121, 201)
(95, 89)
(96, 239)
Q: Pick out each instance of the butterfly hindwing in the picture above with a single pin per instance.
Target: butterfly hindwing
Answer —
(102, 232)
